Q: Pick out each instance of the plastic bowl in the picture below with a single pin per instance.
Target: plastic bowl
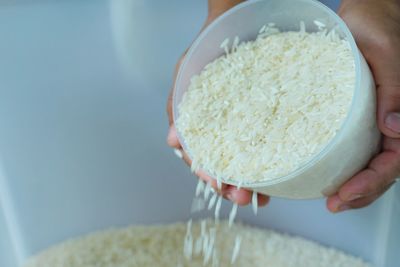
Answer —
(357, 140)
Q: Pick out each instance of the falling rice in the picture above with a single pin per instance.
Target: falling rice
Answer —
(198, 204)
(199, 188)
(254, 202)
(188, 241)
(207, 191)
(178, 153)
(218, 208)
(232, 214)
(236, 248)
(212, 201)
(219, 183)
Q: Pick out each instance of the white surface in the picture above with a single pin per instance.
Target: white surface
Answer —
(82, 145)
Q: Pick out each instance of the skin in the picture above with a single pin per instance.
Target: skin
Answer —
(376, 28)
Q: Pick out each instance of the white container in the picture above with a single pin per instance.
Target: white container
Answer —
(357, 140)
(83, 150)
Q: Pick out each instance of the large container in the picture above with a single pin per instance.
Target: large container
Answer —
(357, 140)
(83, 149)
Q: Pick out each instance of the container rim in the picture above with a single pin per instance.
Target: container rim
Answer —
(328, 147)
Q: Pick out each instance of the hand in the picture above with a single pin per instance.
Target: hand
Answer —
(239, 196)
(376, 28)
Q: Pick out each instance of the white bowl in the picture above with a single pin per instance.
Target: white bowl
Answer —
(357, 140)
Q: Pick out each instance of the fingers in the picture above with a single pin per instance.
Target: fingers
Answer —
(172, 138)
(262, 200)
(208, 179)
(381, 171)
(169, 108)
(240, 196)
(383, 57)
(243, 196)
(374, 26)
(369, 184)
(389, 110)
(216, 8)
(336, 204)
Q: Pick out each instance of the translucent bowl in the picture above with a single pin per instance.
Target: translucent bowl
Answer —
(357, 140)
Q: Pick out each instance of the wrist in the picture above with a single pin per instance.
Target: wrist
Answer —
(380, 2)
(218, 7)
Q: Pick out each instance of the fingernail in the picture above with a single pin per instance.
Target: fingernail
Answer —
(354, 197)
(392, 121)
(344, 207)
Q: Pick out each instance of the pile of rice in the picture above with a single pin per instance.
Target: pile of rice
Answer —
(150, 246)
(267, 106)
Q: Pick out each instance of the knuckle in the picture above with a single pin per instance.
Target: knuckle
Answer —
(386, 43)
(381, 188)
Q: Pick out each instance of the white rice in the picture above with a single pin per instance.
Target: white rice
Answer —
(232, 214)
(236, 41)
(265, 109)
(236, 248)
(254, 202)
(224, 45)
(178, 153)
(262, 29)
(212, 201)
(218, 208)
(188, 247)
(150, 246)
(240, 183)
(198, 205)
(319, 24)
(219, 183)
(302, 27)
(198, 246)
(199, 188)
(207, 191)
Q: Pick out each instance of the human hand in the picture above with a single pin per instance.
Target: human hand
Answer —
(239, 196)
(376, 28)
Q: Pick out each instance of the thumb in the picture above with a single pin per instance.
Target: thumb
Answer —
(389, 110)
(386, 70)
(375, 26)
(385, 66)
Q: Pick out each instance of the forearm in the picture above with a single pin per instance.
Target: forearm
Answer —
(217, 7)
(391, 3)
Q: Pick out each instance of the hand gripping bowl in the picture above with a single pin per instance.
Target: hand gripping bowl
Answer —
(358, 138)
